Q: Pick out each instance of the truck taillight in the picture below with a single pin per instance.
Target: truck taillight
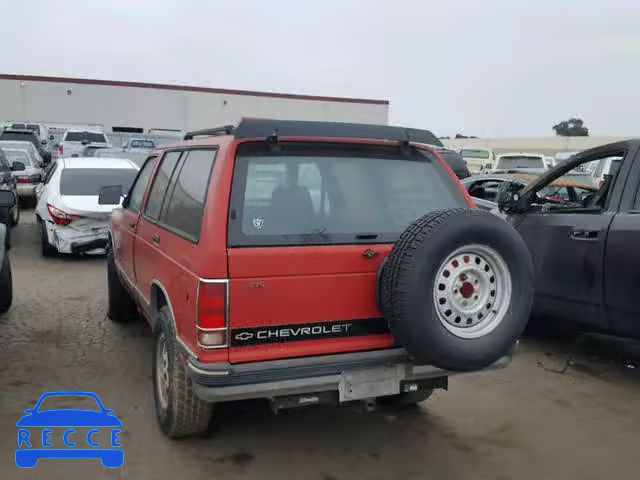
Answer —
(211, 321)
(59, 217)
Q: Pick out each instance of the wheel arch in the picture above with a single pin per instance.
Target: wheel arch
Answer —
(159, 298)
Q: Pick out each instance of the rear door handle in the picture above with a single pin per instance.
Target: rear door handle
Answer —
(132, 225)
(155, 238)
(584, 235)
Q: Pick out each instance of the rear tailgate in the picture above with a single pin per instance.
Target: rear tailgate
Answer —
(298, 301)
(309, 226)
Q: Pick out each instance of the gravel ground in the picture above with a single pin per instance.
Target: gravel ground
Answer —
(522, 422)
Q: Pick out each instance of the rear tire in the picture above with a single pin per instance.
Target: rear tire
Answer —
(47, 249)
(457, 289)
(6, 285)
(179, 411)
(121, 308)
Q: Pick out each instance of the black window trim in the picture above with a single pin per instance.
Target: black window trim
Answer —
(135, 180)
(176, 231)
(153, 179)
(614, 198)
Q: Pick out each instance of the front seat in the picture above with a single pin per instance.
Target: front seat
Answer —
(290, 211)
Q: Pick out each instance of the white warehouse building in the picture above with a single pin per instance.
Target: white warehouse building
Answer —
(135, 106)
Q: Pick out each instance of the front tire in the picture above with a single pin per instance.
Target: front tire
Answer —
(179, 411)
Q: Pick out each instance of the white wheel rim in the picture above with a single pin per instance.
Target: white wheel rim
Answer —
(162, 371)
(472, 291)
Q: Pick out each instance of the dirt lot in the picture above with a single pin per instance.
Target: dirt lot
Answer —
(523, 422)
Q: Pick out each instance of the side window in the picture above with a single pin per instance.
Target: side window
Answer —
(160, 184)
(185, 207)
(138, 188)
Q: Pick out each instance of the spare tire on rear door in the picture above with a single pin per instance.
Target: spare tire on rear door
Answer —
(457, 288)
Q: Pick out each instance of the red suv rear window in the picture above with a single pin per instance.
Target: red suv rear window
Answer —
(316, 194)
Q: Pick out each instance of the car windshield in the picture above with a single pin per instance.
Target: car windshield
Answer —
(26, 146)
(325, 194)
(475, 153)
(142, 144)
(69, 402)
(18, 156)
(22, 136)
(520, 161)
(91, 137)
(89, 181)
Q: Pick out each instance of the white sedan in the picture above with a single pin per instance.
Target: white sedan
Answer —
(70, 219)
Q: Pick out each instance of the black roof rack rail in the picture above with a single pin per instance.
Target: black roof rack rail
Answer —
(210, 132)
(272, 128)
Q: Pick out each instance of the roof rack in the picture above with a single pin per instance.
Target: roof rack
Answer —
(265, 128)
(210, 132)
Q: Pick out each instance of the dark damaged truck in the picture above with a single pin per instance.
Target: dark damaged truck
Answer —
(585, 252)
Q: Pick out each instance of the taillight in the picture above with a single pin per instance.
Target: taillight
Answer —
(211, 321)
(59, 217)
(61, 149)
(23, 180)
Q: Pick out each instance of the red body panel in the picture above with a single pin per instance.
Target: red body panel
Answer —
(295, 285)
(123, 231)
(268, 286)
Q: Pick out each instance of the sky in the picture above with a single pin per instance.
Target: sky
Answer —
(490, 68)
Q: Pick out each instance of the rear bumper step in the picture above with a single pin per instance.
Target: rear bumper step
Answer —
(224, 382)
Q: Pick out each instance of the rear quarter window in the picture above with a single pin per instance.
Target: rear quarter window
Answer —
(333, 194)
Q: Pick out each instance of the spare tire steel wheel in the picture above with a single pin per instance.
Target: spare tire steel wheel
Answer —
(457, 288)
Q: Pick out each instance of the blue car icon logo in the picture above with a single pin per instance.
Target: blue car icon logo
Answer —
(64, 433)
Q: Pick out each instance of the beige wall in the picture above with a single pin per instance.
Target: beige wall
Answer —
(107, 105)
(544, 145)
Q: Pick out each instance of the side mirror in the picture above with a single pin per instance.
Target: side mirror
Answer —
(110, 195)
(43, 142)
(18, 167)
(51, 137)
(29, 411)
(7, 199)
(509, 199)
